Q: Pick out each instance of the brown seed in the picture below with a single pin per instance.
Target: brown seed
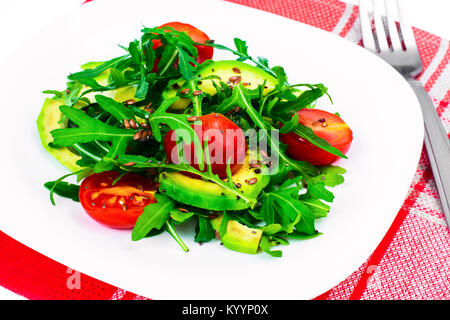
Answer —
(67, 91)
(133, 124)
(235, 79)
(197, 92)
(183, 210)
(254, 165)
(137, 135)
(236, 70)
(322, 120)
(185, 91)
(144, 125)
(130, 102)
(246, 84)
(126, 123)
(129, 164)
(192, 119)
(252, 181)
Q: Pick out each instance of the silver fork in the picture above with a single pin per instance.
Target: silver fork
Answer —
(408, 63)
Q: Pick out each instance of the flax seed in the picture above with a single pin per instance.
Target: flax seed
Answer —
(192, 119)
(235, 79)
(133, 124)
(126, 123)
(183, 210)
(130, 102)
(185, 91)
(137, 135)
(236, 70)
(252, 181)
(129, 164)
(197, 92)
(255, 165)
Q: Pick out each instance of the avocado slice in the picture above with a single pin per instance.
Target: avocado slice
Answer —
(250, 77)
(48, 120)
(50, 117)
(238, 236)
(208, 195)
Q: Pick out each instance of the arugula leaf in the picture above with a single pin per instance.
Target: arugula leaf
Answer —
(241, 47)
(224, 225)
(92, 73)
(330, 175)
(64, 189)
(180, 216)
(171, 230)
(116, 109)
(308, 134)
(153, 217)
(266, 245)
(204, 231)
(291, 125)
(89, 130)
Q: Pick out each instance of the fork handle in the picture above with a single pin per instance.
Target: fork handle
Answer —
(437, 144)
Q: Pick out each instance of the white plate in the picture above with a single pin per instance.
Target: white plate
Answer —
(373, 99)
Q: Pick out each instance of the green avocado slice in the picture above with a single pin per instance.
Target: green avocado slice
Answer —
(48, 120)
(208, 195)
(238, 236)
(250, 77)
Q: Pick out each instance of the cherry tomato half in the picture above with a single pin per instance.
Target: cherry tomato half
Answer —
(325, 125)
(226, 141)
(118, 205)
(204, 52)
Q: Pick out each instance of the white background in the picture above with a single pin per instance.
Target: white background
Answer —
(19, 20)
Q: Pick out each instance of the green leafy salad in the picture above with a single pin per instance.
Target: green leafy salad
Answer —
(165, 135)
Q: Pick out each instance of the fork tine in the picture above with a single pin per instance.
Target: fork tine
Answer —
(366, 26)
(405, 27)
(393, 31)
(379, 26)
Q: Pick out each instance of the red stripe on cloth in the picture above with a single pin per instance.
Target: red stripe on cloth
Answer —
(35, 276)
(443, 104)
(350, 22)
(324, 14)
(428, 45)
(378, 254)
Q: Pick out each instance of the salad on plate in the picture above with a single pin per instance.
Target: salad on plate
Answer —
(164, 135)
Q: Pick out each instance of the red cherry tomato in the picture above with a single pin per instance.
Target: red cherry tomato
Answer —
(225, 141)
(204, 52)
(118, 205)
(325, 125)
